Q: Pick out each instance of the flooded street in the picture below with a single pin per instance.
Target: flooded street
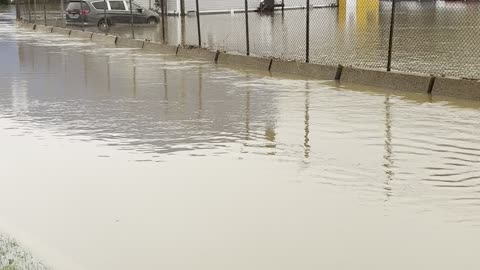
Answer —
(116, 158)
(430, 37)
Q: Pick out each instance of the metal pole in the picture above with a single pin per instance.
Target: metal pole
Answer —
(29, 12)
(34, 11)
(390, 38)
(23, 10)
(162, 5)
(183, 30)
(105, 22)
(17, 10)
(307, 52)
(182, 7)
(198, 26)
(82, 19)
(131, 19)
(45, 11)
(62, 7)
(283, 6)
(247, 28)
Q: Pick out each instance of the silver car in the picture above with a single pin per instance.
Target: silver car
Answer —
(93, 12)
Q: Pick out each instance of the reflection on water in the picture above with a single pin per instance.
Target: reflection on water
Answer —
(119, 159)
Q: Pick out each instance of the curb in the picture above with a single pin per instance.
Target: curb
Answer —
(160, 48)
(81, 34)
(131, 43)
(392, 80)
(102, 38)
(317, 71)
(244, 61)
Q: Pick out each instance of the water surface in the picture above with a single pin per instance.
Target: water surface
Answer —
(115, 158)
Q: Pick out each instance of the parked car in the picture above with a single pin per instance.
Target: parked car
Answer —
(117, 11)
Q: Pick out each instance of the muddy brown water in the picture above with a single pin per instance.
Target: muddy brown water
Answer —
(114, 158)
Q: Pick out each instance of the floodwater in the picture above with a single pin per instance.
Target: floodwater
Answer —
(431, 37)
(115, 158)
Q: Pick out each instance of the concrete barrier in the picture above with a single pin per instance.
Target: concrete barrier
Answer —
(411, 82)
(196, 53)
(130, 43)
(441, 86)
(81, 34)
(159, 48)
(26, 25)
(62, 31)
(322, 72)
(244, 61)
(43, 28)
(102, 38)
(456, 87)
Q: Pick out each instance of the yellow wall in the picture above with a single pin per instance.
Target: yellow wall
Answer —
(365, 12)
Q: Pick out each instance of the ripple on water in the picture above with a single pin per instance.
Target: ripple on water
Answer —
(382, 145)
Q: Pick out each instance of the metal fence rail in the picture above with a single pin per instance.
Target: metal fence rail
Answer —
(432, 37)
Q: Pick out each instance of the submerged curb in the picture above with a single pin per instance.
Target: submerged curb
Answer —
(409, 82)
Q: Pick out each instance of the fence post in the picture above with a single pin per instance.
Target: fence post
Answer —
(81, 15)
(390, 38)
(105, 22)
(198, 25)
(182, 8)
(35, 11)
(131, 19)
(307, 47)
(17, 10)
(162, 4)
(29, 12)
(45, 11)
(247, 28)
(62, 7)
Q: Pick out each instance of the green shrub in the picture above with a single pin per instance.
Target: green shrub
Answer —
(4, 2)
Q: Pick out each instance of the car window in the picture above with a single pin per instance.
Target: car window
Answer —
(117, 5)
(135, 6)
(99, 5)
(76, 6)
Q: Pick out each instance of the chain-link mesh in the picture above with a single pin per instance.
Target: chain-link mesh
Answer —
(356, 33)
(432, 37)
(437, 37)
(225, 31)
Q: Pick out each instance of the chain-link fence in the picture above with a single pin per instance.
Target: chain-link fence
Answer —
(432, 37)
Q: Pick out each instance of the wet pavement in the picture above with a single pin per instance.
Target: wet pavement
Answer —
(115, 158)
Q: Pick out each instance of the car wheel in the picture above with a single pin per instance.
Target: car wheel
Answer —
(152, 20)
(102, 22)
(104, 26)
